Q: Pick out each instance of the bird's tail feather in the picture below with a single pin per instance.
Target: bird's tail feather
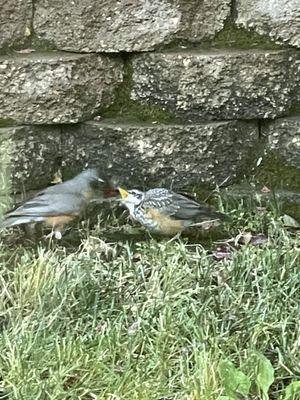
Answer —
(218, 215)
(12, 220)
(208, 214)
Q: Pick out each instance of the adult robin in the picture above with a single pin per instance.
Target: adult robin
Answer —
(56, 206)
(165, 212)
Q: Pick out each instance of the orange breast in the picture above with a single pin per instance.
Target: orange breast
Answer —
(165, 224)
(58, 221)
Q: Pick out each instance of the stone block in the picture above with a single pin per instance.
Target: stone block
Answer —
(113, 26)
(283, 136)
(55, 87)
(279, 19)
(15, 22)
(148, 155)
(29, 156)
(231, 84)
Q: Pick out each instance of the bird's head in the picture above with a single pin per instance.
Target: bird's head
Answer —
(131, 198)
(102, 188)
(91, 175)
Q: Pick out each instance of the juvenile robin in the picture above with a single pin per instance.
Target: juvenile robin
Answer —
(56, 206)
(165, 212)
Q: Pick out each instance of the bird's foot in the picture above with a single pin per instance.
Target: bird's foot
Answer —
(56, 234)
(206, 225)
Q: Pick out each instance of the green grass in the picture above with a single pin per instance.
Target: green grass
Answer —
(130, 317)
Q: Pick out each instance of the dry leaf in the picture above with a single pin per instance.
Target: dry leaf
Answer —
(258, 239)
(290, 221)
(265, 189)
(246, 238)
(136, 257)
(243, 238)
(57, 177)
(27, 31)
(220, 276)
(251, 238)
(221, 255)
(133, 328)
(261, 210)
(71, 380)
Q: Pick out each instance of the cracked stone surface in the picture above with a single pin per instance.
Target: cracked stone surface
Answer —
(283, 137)
(156, 154)
(47, 88)
(28, 157)
(279, 19)
(15, 22)
(126, 25)
(217, 85)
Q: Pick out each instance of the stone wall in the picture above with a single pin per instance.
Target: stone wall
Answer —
(153, 91)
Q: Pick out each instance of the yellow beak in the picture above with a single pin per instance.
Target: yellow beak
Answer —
(123, 193)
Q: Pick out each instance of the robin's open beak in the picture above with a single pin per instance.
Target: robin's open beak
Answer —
(124, 194)
(110, 192)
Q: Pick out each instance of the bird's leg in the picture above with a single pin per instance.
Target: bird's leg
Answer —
(56, 232)
(148, 233)
(30, 231)
(177, 236)
(206, 224)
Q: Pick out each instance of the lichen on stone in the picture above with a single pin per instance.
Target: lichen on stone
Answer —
(124, 108)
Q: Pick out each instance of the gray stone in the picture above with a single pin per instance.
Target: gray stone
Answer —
(29, 156)
(56, 87)
(216, 85)
(280, 19)
(283, 137)
(126, 25)
(156, 154)
(15, 21)
(297, 73)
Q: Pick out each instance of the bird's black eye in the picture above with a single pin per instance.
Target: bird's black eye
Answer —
(96, 184)
(137, 195)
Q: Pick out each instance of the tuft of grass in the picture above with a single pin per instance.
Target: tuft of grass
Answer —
(277, 173)
(124, 316)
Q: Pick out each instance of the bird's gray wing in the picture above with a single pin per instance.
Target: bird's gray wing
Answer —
(189, 209)
(179, 206)
(161, 200)
(42, 206)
